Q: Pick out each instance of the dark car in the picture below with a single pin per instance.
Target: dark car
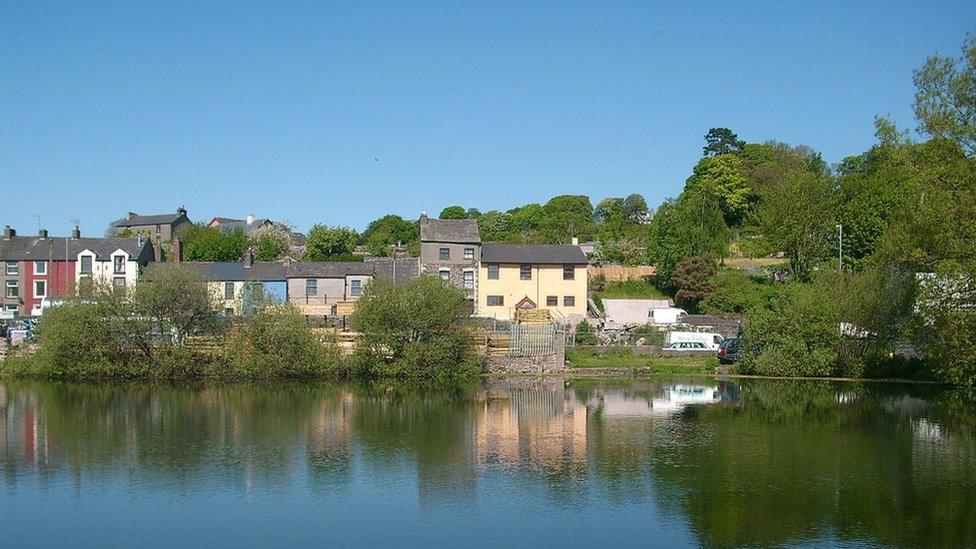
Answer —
(730, 351)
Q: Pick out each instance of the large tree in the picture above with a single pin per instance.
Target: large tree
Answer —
(202, 243)
(382, 234)
(328, 243)
(945, 97)
(721, 141)
(454, 212)
(722, 176)
(691, 225)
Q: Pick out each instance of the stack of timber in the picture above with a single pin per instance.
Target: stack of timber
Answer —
(345, 340)
(203, 345)
(533, 316)
(497, 343)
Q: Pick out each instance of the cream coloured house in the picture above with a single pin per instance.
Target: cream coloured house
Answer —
(530, 276)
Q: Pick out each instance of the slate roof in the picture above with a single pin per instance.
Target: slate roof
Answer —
(265, 271)
(231, 225)
(457, 231)
(407, 268)
(546, 254)
(138, 220)
(34, 248)
(326, 269)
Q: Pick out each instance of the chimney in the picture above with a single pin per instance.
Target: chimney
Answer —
(248, 258)
(181, 210)
(286, 261)
(157, 251)
(423, 218)
(177, 250)
(76, 233)
(8, 233)
(250, 219)
(575, 241)
(42, 233)
(130, 215)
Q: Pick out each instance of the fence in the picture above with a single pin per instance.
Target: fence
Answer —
(532, 340)
(620, 273)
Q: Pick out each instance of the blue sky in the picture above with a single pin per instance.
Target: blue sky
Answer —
(340, 113)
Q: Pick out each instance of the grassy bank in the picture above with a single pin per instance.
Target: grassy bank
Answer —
(583, 359)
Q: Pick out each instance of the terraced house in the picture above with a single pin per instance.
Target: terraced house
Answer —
(158, 227)
(40, 267)
(451, 249)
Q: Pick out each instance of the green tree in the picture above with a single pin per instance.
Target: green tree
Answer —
(388, 231)
(565, 217)
(689, 226)
(454, 212)
(721, 176)
(945, 97)
(278, 343)
(413, 330)
(325, 243)
(172, 302)
(720, 141)
(495, 226)
(585, 334)
(202, 243)
(798, 217)
(272, 244)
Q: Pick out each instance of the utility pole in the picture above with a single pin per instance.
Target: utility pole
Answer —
(840, 248)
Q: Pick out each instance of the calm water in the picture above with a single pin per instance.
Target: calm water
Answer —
(518, 462)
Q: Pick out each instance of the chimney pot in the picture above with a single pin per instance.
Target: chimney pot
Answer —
(42, 233)
(76, 233)
(423, 218)
(250, 219)
(181, 210)
(575, 241)
(9, 233)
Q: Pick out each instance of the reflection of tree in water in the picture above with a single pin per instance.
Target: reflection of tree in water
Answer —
(801, 458)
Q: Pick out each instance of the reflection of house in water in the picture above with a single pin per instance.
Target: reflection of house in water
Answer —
(330, 436)
(531, 420)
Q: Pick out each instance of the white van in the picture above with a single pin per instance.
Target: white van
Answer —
(711, 340)
(665, 316)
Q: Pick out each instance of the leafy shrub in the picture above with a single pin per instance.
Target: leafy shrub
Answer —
(278, 343)
(585, 334)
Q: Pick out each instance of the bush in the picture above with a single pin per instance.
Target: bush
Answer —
(413, 330)
(585, 334)
(797, 336)
(279, 343)
(735, 292)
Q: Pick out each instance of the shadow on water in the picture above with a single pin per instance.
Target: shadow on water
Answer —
(721, 463)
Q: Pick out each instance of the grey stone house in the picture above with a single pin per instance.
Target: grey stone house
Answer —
(158, 227)
(451, 249)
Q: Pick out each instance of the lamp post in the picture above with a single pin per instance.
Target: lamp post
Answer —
(840, 248)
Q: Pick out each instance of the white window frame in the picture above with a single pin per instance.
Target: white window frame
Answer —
(11, 285)
(468, 253)
(42, 294)
(12, 268)
(444, 254)
(116, 258)
(355, 288)
(465, 283)
(40, 267)
(445, 274)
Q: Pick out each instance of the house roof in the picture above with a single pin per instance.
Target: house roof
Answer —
(226, 225)
(532, 253)
(459, 231)
(35, 248)
(134, 219)
(407, 268)
(326, 269)
(265, 271)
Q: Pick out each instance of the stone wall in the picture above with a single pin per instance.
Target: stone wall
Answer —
(555, 362)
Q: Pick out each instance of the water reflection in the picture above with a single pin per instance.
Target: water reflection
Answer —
(715, 463)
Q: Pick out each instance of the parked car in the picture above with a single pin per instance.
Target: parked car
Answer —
(709, 339)
(730, 351)
(686, 346)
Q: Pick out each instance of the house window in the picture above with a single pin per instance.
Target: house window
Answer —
(40, 267)
(86, 264)
(118, 264)
(159, 229)
(13, 290)
(445, 254)
(468, 280)
(469, 253)
(355, 288)
(496, 301)
(11, 268)
(492, 272)
(311, 286)
(228, 290)
(445, 274)
(569, 272)
(525, 272)
(569, 301)
(552, 300)
(40, 288)
(118, 284)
